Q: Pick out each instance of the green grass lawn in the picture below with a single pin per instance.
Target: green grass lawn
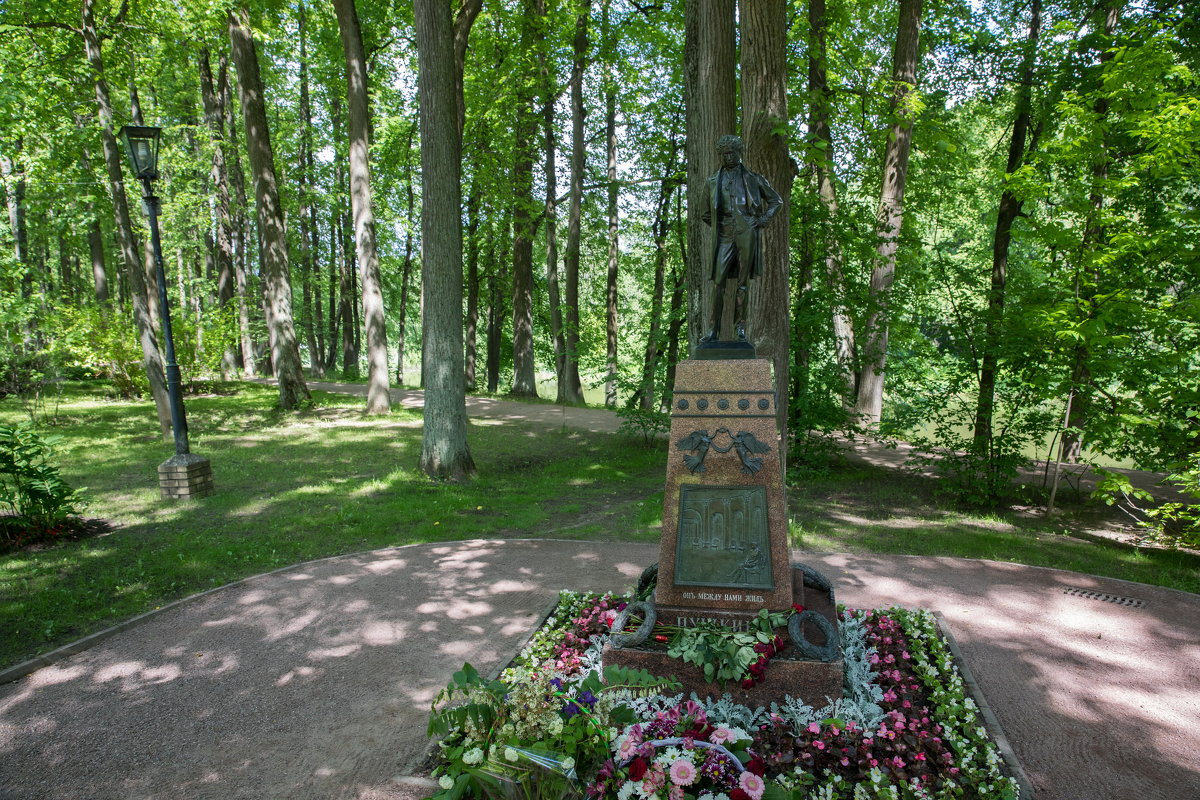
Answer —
(289, 488)
(327, 481)
(861, 509)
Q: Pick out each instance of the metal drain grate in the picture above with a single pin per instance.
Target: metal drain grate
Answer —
(1129, 602)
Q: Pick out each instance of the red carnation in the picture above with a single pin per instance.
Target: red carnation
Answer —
(739, 794)
(757, 766)
(637, 769)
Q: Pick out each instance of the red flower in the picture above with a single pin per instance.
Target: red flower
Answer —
(797, 607)
(757, 766)
(771, 651)
(779, 643)
(760, 648)
(637, 769)
(658, 637)
(758, 668)
(739, 794)
(748, 683)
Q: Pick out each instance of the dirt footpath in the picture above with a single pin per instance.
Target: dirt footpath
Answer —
(315, 681)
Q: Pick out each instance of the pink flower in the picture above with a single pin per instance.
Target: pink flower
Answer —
(683, 772)
(814, 727)
(752, 785)
(721, 735)
(675, 793)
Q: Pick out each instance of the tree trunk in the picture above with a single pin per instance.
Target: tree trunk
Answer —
(472, 287)
(823, 169)
(285, 354)
(524, 381)
(764, 112)
(1093, 241)
(662, 228)
(709, 65)
(1010, 207)
(869, 404)
(468, 10)
(214, 116)
(151, 358)
(610, 317)
(553, 298)
(571, 388)
(444, 451)
(309, 267)
(406, 271)
(239, 221)
(378, 401)
(346, 257)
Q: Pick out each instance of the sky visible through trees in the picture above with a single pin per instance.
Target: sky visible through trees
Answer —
(991, 242)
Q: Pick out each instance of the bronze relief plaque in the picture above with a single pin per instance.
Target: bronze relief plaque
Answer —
(722, 537)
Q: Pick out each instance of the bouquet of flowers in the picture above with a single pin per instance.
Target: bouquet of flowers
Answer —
(681, 756)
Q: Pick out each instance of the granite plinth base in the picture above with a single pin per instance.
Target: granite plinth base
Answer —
(185, 477)
(816, 683)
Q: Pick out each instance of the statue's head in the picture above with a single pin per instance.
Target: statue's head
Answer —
(730, 147)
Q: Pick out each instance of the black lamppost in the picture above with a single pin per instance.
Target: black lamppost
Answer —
(185, 475)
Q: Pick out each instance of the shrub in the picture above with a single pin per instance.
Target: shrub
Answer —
(36, 497)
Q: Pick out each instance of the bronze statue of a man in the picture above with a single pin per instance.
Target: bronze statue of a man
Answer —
(741, 202)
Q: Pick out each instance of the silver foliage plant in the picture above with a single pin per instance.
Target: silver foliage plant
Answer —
(858, 703)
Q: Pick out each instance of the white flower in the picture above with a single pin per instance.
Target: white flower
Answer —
(567, 763)
(446, 782)
(510, 754)
(473, 756)
(626, 791)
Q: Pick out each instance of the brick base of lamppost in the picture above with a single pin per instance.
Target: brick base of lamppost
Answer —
(184, 477)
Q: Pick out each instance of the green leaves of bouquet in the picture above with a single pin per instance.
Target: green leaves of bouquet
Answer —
(722, 653)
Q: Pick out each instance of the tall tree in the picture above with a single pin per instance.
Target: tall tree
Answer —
(821, 133)
(285, 352)
(237, 180)
(309, 266)
(444, 450)
(151, 358)
(610, 147)
(524, 224)
(378, 400)
(710, 99)
(1006, 214)
(1087, 283)
(873, 351)
(764, 116)
(570, 388)
(214, 116)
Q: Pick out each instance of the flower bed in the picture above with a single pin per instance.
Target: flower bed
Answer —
(555, 724)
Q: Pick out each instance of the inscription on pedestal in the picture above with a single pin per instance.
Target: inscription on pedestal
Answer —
(722, 538)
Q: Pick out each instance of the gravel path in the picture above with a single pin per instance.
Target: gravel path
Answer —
(315, 681)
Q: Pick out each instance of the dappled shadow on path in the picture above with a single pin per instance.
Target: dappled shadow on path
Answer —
(315, 682)
(1098, 699)
(312, 682)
